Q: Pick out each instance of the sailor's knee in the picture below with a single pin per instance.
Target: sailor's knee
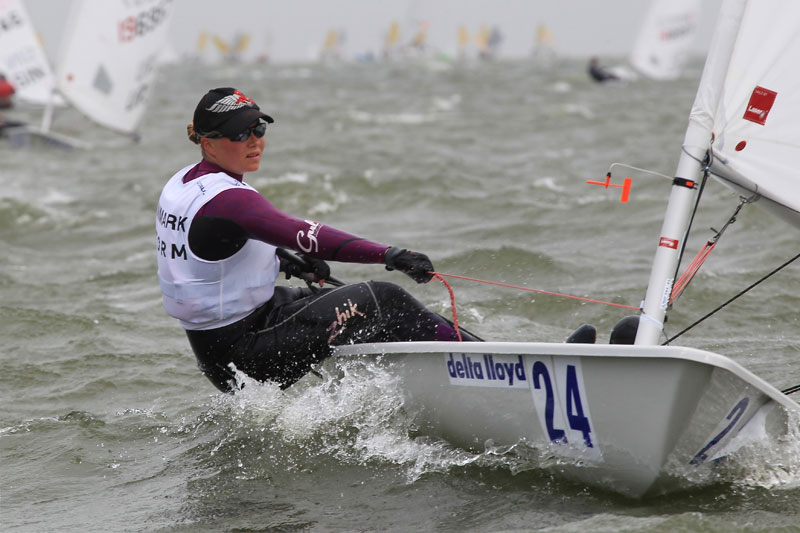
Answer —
(390, 293)
(386, 287)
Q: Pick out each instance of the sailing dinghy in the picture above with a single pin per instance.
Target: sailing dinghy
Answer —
(22, 59)
(23, 62)
(108, 65)
(663, 42)
(644, 418)
(665, 38)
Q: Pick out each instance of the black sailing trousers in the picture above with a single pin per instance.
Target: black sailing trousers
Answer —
(296, 328)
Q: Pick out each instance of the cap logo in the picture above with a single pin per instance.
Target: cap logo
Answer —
(231, 102)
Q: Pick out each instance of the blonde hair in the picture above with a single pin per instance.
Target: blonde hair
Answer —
(193, 135)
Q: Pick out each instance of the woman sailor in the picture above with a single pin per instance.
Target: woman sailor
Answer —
(217, 247)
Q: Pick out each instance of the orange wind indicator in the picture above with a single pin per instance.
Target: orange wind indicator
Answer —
(626, 186)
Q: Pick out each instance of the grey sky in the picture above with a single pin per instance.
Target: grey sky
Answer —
(291, 30)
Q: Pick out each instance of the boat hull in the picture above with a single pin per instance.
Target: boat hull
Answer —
(25, 137)
(632, 419)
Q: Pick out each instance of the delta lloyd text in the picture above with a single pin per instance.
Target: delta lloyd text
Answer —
(484, 367)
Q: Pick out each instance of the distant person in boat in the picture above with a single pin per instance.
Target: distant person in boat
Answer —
(218, 264)
(6, 93)
(599, 73)
(6, 102)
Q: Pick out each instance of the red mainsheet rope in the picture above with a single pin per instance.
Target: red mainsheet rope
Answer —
(441, 277)
(438, 276)
(590, 300)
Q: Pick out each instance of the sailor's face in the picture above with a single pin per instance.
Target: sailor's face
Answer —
(237, 157)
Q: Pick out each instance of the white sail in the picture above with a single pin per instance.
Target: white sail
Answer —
(757, 144)
(110, 58)
(664, 41)
(22, 59)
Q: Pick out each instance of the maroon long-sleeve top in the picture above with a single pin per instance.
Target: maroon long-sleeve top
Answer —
(224, 224)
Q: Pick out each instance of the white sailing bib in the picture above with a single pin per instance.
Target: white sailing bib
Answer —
(207, 294)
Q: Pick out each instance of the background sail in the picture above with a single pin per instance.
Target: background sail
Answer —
(757, 121)
(22, 59)
(110, 58)
(665, 38)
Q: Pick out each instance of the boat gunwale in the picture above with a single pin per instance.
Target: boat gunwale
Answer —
(572, 349)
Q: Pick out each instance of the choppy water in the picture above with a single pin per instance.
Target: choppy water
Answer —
(107, 425)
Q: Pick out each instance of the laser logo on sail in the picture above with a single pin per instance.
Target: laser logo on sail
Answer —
(760, 105)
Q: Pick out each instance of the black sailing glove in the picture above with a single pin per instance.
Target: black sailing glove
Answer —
(305, 267)
(415, 264)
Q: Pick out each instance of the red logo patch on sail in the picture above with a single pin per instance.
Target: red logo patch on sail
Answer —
(668, 243)
(759, 105)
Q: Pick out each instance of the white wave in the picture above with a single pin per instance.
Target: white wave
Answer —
(561, 87)
(767, 463)
(353, 410)
(549, 183)
(391, 118)
(56, 197)
(447, 103)
(289, 177)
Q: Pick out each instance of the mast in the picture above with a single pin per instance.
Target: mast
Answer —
(688, 173)
(55, 93)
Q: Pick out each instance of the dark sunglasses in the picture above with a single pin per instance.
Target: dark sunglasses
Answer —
(258, 130)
